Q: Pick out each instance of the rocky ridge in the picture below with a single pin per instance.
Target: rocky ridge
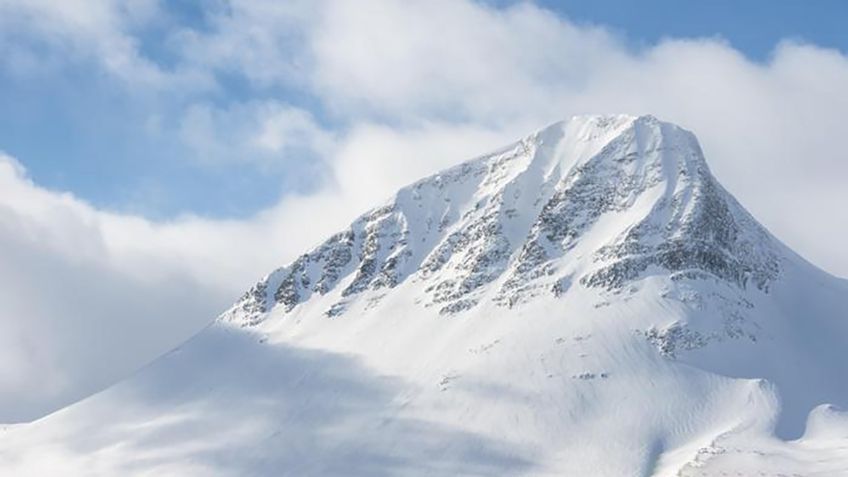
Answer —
(511, 225)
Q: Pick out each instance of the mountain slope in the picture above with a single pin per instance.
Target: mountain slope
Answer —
(586, 301)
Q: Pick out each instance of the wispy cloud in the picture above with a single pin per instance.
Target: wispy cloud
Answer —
(255, 131)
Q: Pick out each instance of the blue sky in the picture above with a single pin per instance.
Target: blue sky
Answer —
(752, 26)
(76, 128)
(79, 129)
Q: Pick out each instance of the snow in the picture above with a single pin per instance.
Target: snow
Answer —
(537, 311)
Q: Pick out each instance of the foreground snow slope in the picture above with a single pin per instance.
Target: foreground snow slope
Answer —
(587, 301)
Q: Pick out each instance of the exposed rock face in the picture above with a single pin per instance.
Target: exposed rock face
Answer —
(697, 226)
(599, 202)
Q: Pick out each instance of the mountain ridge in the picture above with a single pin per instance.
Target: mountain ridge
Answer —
(601, 178)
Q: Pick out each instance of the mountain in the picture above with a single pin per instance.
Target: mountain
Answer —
(586, 301)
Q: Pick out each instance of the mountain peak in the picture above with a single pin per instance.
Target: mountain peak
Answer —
(595, 201)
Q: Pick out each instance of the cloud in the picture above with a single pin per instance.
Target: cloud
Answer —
(402, 89)
(261, 41)
(265, 131)
(39, 36)
(76, 313)
(455, 60)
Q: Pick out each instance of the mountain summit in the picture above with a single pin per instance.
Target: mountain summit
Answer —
(602, 201)
(586, 301)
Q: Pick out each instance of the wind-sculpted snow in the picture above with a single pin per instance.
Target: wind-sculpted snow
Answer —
(586, 301)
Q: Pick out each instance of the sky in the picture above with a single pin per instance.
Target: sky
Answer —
(159, 157)
(139, 148)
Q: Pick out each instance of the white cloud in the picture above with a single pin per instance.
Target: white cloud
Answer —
(101, 31)
(73, 317)
(413, 87)
(258, 131)
(452, 59)
(262, 41)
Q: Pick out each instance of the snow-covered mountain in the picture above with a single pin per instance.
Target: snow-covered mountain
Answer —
(586, 301)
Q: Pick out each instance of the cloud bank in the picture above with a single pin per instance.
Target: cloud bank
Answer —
(388, 91)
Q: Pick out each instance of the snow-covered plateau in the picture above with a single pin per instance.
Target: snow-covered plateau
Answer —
(588, 301)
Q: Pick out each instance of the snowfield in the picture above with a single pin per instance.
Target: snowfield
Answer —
(588, 301)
